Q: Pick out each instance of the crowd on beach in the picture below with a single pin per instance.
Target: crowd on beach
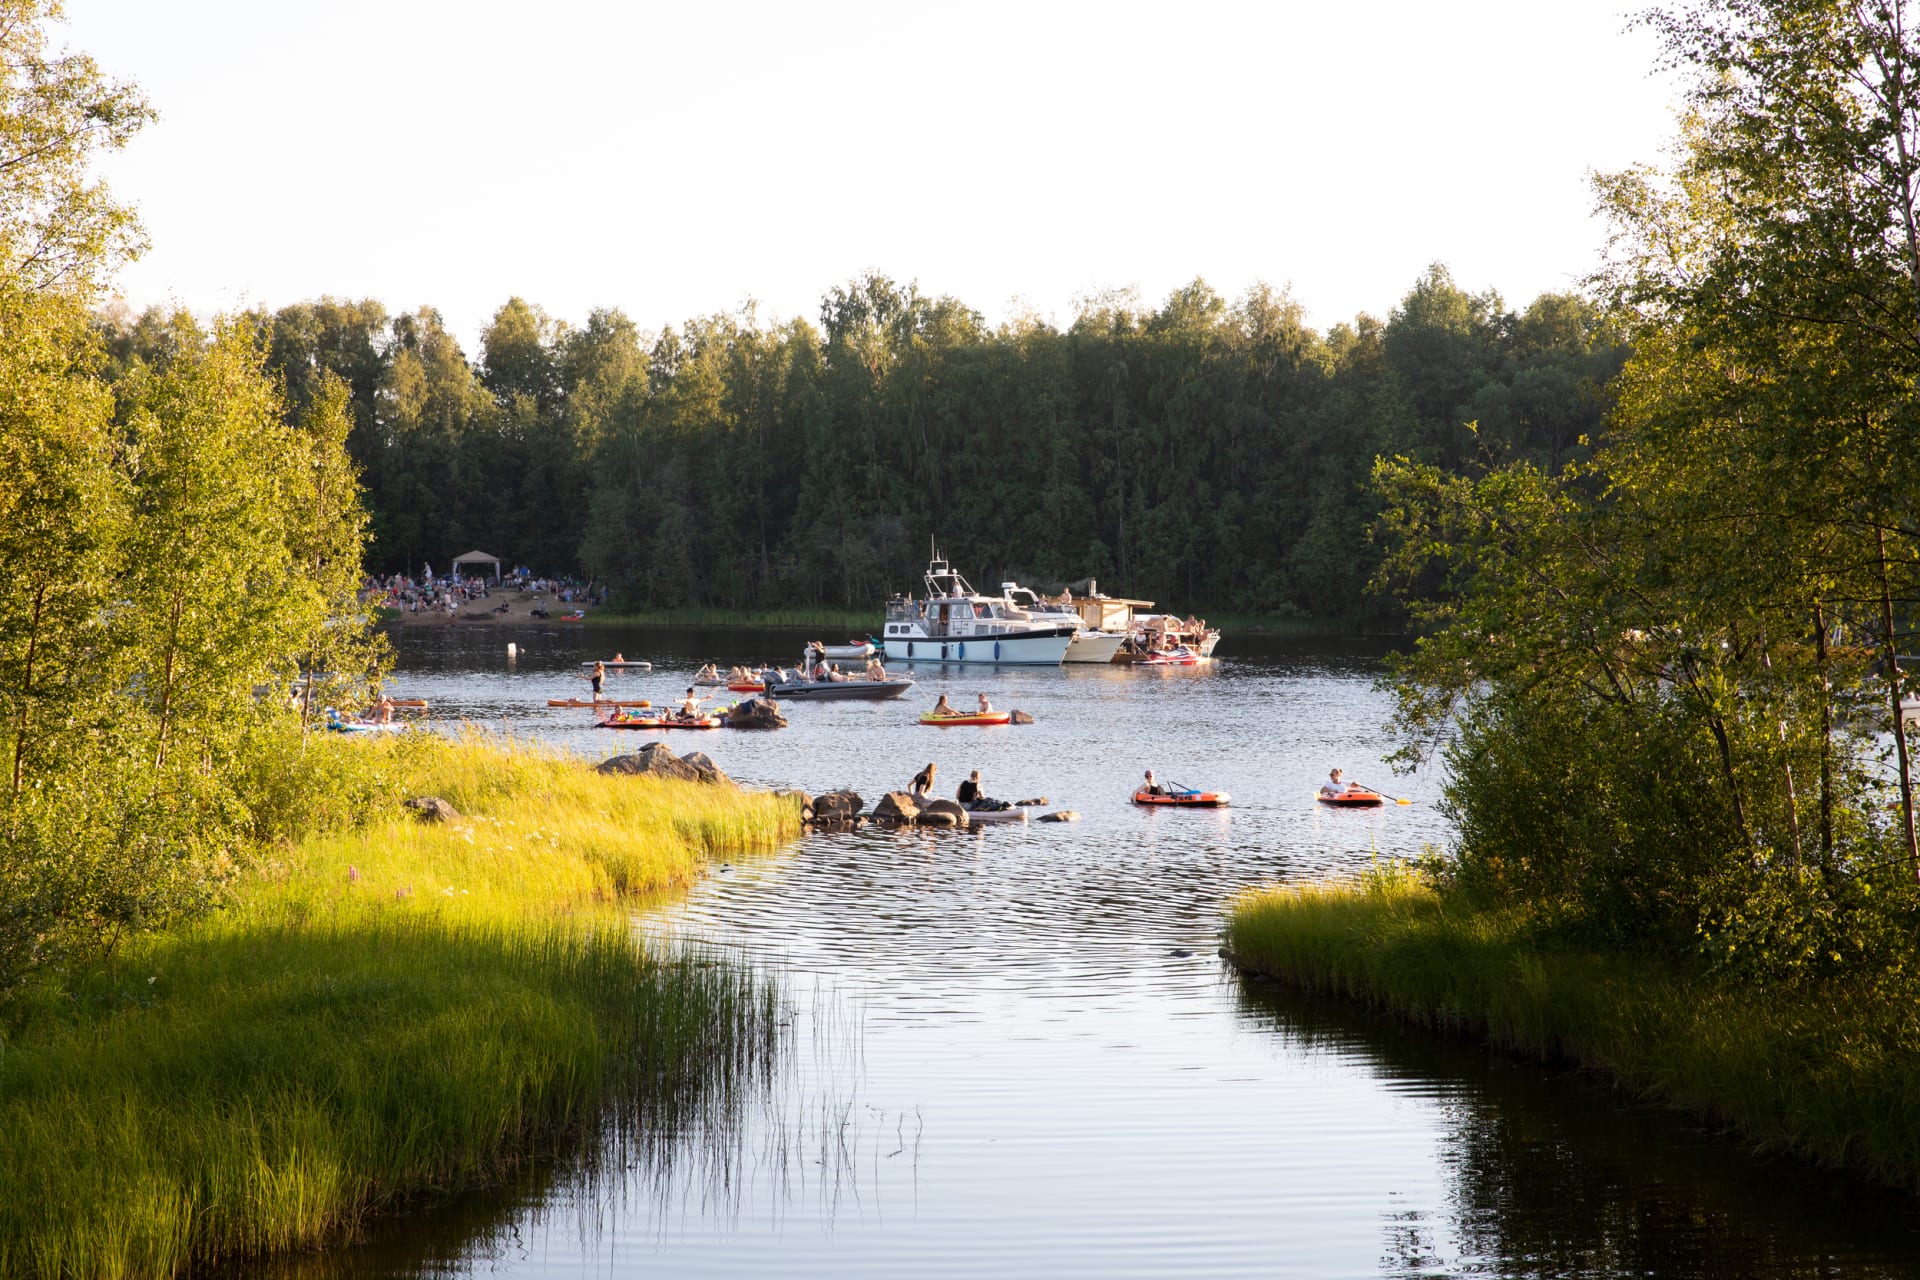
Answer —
(447, 593)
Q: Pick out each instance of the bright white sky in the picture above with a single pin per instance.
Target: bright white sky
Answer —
(678, 159)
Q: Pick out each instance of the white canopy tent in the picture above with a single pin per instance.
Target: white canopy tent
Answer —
(477, 559)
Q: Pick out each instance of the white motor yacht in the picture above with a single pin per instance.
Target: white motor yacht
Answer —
(955, 623)
(1089, 644)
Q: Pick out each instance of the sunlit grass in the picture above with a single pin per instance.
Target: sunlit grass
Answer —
(380, 1015)
(1831, 1072)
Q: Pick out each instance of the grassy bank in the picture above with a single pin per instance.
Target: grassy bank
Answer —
(1826, 1073)
(382, 1014)
(835, 625)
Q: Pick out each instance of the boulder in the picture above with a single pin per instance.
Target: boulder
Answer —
(939, 819)
(656, 759)
(836, 805)
(433, 809)
(950, 809)
(896, 806)
(1060, 815)
(1021, 717)
(1022, 804)
(756, 713)
(709, 771)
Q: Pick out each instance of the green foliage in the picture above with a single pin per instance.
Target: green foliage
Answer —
(1206, 453)
(1823, 1071)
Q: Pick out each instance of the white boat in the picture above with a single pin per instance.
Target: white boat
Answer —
(1089, 643)
(853, 651)
(955, 623)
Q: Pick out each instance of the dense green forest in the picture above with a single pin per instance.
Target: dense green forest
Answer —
(1209, 454)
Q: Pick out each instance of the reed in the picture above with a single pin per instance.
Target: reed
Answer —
(380, 1015)
(1824, 1072)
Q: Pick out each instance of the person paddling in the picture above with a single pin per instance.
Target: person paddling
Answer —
(690, 706)
(944, 708)
(1334, 786)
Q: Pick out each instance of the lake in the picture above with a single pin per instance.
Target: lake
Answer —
(1016, 1052)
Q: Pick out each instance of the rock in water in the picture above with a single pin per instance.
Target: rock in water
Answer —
(1022, 804)
(837, 805)
(1021, 717)
(943, 809)
(896, 806)
(1061, 815)
(433, 809)
(757, 713)
(656, 759)
(709, 771)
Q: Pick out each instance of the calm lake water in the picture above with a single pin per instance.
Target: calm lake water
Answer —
(1016, 1052)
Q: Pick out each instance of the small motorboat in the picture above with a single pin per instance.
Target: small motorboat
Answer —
(618, 664)
(852, 651)
(1179, 656)
(1351, 799)
(660, 722)
(967, 717)
(1186, 798)
(838, 690)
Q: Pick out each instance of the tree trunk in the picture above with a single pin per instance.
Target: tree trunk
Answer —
(26, 688)
(1893, 696)
(1826, 738)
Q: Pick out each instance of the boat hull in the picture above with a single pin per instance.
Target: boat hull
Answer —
(1183, 799)
(986, 718)
(838, 690)
(1021, 649)
(1093, 647)
(996, 815)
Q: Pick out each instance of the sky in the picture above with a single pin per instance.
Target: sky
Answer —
(675, 160)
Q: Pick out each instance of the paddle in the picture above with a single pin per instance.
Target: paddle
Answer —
(1377, 791)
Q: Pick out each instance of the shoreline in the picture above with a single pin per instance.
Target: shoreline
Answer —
(1822, 1074)
(383, 1015)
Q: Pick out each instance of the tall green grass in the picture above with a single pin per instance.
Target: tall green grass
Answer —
(380, 1015)
(1829, 1073)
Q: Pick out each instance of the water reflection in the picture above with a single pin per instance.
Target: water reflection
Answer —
(1015, 1053)
(1549, 1173)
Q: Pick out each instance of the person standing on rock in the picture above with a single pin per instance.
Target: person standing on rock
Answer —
(922, 781)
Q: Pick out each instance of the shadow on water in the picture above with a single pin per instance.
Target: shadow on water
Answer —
(1550, 1172)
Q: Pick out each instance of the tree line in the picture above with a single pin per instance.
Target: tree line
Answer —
(1207, 453)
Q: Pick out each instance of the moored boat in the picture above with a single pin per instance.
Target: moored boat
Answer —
(955, 623)
(1178, 656)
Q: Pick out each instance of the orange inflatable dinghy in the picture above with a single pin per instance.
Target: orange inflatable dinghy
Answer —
(972, 717)
(1183, 799)
(1353, 800)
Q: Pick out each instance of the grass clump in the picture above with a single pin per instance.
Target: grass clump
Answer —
(382, 1013)
(1825, 1071)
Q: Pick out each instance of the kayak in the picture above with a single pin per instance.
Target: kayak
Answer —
(967, 717)
(1353, 800)
(658, 722)
(1183, 799)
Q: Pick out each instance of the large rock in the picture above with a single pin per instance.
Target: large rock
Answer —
(1061, 815)
(1022, 804)
(756, 713)
(837, 805)
(432, 809)
(933, 811)
(1021, 717)
(657, 760)
(709, 771)
(896, 806)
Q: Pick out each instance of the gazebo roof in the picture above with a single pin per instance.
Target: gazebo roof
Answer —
(476, 557)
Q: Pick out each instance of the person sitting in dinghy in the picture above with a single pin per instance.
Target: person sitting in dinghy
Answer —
(986, 708)
(1153, 787)
(945, 708)
(690, 706)
(1333, 788)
